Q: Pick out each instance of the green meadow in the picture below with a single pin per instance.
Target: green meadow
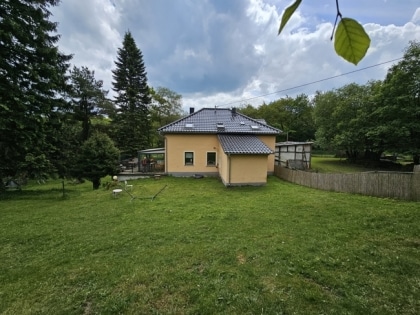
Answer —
(201, 248)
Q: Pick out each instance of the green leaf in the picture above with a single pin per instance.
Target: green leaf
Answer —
(287, 14)
(351, 41)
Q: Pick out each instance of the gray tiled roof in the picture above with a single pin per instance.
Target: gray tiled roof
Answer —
(217, 121)
(243, 144)
(286, 143)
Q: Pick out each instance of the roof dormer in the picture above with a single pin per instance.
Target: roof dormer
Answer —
(189, 126)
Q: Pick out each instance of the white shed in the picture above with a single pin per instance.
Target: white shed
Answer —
(296, 155)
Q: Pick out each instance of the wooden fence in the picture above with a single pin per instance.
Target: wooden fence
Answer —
(380, 184)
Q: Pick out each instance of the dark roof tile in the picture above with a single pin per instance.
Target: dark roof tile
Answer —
(243, 144)
(210, 120)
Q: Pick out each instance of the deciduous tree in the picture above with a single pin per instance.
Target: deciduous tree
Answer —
(87, 97)
(399, 114)
(291, 115)
(98, 158)
(166, 107)
(343, 120)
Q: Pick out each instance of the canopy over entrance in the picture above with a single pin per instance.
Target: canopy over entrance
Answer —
(151, 160)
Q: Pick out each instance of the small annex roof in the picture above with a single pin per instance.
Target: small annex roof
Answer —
(151, 151)
(291, 143)
(217, 121)
(243, 144)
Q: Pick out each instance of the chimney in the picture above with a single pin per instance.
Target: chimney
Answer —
(191, 110)
(233, 111)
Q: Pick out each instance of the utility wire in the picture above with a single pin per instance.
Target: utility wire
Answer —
(310, 83)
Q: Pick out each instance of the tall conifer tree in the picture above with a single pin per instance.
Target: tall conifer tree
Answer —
(132, 121)
(32, 75)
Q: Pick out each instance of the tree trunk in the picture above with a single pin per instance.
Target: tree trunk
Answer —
(352, 155)
(96, 183)
(373, 155)
(416, 159)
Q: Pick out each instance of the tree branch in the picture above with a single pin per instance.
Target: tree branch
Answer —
(336, 18)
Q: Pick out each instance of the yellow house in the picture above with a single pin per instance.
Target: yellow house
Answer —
(220, 142)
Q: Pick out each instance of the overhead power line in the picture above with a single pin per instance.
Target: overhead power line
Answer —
(310, 83)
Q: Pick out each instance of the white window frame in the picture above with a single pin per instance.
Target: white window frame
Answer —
(185, 158)
(215, 158)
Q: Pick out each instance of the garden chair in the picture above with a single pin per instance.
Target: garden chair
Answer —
(128, 186)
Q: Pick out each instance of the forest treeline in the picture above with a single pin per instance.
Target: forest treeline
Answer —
(363, 121)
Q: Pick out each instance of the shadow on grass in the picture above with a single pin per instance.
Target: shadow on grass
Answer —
(36, 194)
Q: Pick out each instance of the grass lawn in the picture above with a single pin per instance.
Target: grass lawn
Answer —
(331, 164)
(201, 248)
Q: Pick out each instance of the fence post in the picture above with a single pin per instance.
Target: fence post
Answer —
(415, 183)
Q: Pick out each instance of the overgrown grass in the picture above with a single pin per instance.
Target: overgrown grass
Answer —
(201, 248)
(331, 164)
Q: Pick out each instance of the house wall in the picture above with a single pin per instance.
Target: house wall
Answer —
(233, 169)
(238, 170)
(248, 169)
(223, 167)
(269, 141)
(178, 144)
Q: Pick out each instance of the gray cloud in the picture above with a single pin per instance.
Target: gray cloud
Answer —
(219, 52)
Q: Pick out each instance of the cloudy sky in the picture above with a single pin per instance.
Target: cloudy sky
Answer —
(227, 53)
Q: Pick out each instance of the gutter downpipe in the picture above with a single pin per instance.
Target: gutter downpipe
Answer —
(230, 172)
(166, 156)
